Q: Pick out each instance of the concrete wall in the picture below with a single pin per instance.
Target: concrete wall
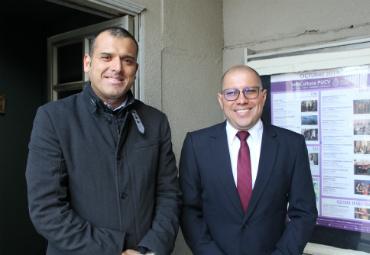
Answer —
(183, 62)
(277, 24)
(183, 66)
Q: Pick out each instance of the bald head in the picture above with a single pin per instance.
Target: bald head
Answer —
(244, 110)
(240, 68)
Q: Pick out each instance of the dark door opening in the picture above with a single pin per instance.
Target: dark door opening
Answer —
(25, 27)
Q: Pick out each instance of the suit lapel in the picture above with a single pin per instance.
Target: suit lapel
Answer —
(269, 149)
(222, 164)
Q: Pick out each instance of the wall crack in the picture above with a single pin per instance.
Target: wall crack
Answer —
(306, 32)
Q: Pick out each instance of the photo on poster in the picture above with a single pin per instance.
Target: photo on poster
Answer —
(362, 187)
(361, 106)
(361, 127)
(310, 134)
(362, 213)
(309, 120)
(316, 188)
(362, 167)
(361, 147)
(313, 157)
(309, 106)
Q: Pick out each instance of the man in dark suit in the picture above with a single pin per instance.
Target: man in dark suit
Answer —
(101, 173)
(237, 185)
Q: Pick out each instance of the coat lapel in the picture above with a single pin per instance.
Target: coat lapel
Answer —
(269, 149)
(222, 164)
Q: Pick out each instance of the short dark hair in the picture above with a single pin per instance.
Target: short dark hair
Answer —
(118, 32)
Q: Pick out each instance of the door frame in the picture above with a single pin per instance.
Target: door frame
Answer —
(99, 7)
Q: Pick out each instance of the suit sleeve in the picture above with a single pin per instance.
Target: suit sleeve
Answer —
(165, 225)
(193, 225)
(50, 211)
(302, 207)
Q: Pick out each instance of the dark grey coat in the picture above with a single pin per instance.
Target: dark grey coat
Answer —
(95, 190)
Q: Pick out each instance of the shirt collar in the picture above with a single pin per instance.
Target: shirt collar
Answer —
(255, 132)
(94, 100)
(119, 107)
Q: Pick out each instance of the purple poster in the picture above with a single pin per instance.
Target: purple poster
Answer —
(331, 109)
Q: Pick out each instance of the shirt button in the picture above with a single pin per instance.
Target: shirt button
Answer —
(108, 120)
(123, 195)
(245, 226)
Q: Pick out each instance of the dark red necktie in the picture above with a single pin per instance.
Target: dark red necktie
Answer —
(244, 179)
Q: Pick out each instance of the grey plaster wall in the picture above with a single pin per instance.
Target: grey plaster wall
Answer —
(183, 62)
(269, 25)
(183, 66)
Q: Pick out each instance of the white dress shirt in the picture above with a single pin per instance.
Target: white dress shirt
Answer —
(254, 141)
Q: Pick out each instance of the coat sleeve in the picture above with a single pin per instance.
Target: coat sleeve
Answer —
(165, 224)
(193, 226)
(302, 207)
(50, 211)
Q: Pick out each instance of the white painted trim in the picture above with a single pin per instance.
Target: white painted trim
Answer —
(125, 6)
(308, 62)
(79, 35)
(249, 56)
(319, 249)
(115, 7)
(141, 28)
(75, 5)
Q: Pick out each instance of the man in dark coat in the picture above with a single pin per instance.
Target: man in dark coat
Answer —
(237, 178)
(101, 173)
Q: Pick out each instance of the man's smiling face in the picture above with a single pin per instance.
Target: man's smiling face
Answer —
(112, 67)
(242, 113)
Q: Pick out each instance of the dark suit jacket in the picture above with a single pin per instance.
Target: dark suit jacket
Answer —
(213, 220)
(92, 190)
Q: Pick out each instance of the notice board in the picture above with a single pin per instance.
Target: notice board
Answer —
(331, 109)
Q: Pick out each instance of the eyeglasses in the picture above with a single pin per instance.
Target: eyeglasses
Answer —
(249, 93)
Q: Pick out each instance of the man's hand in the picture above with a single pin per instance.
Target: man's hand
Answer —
(130, 252)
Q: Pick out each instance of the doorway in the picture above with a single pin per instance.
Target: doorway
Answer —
(65, 53)
(25, 27)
